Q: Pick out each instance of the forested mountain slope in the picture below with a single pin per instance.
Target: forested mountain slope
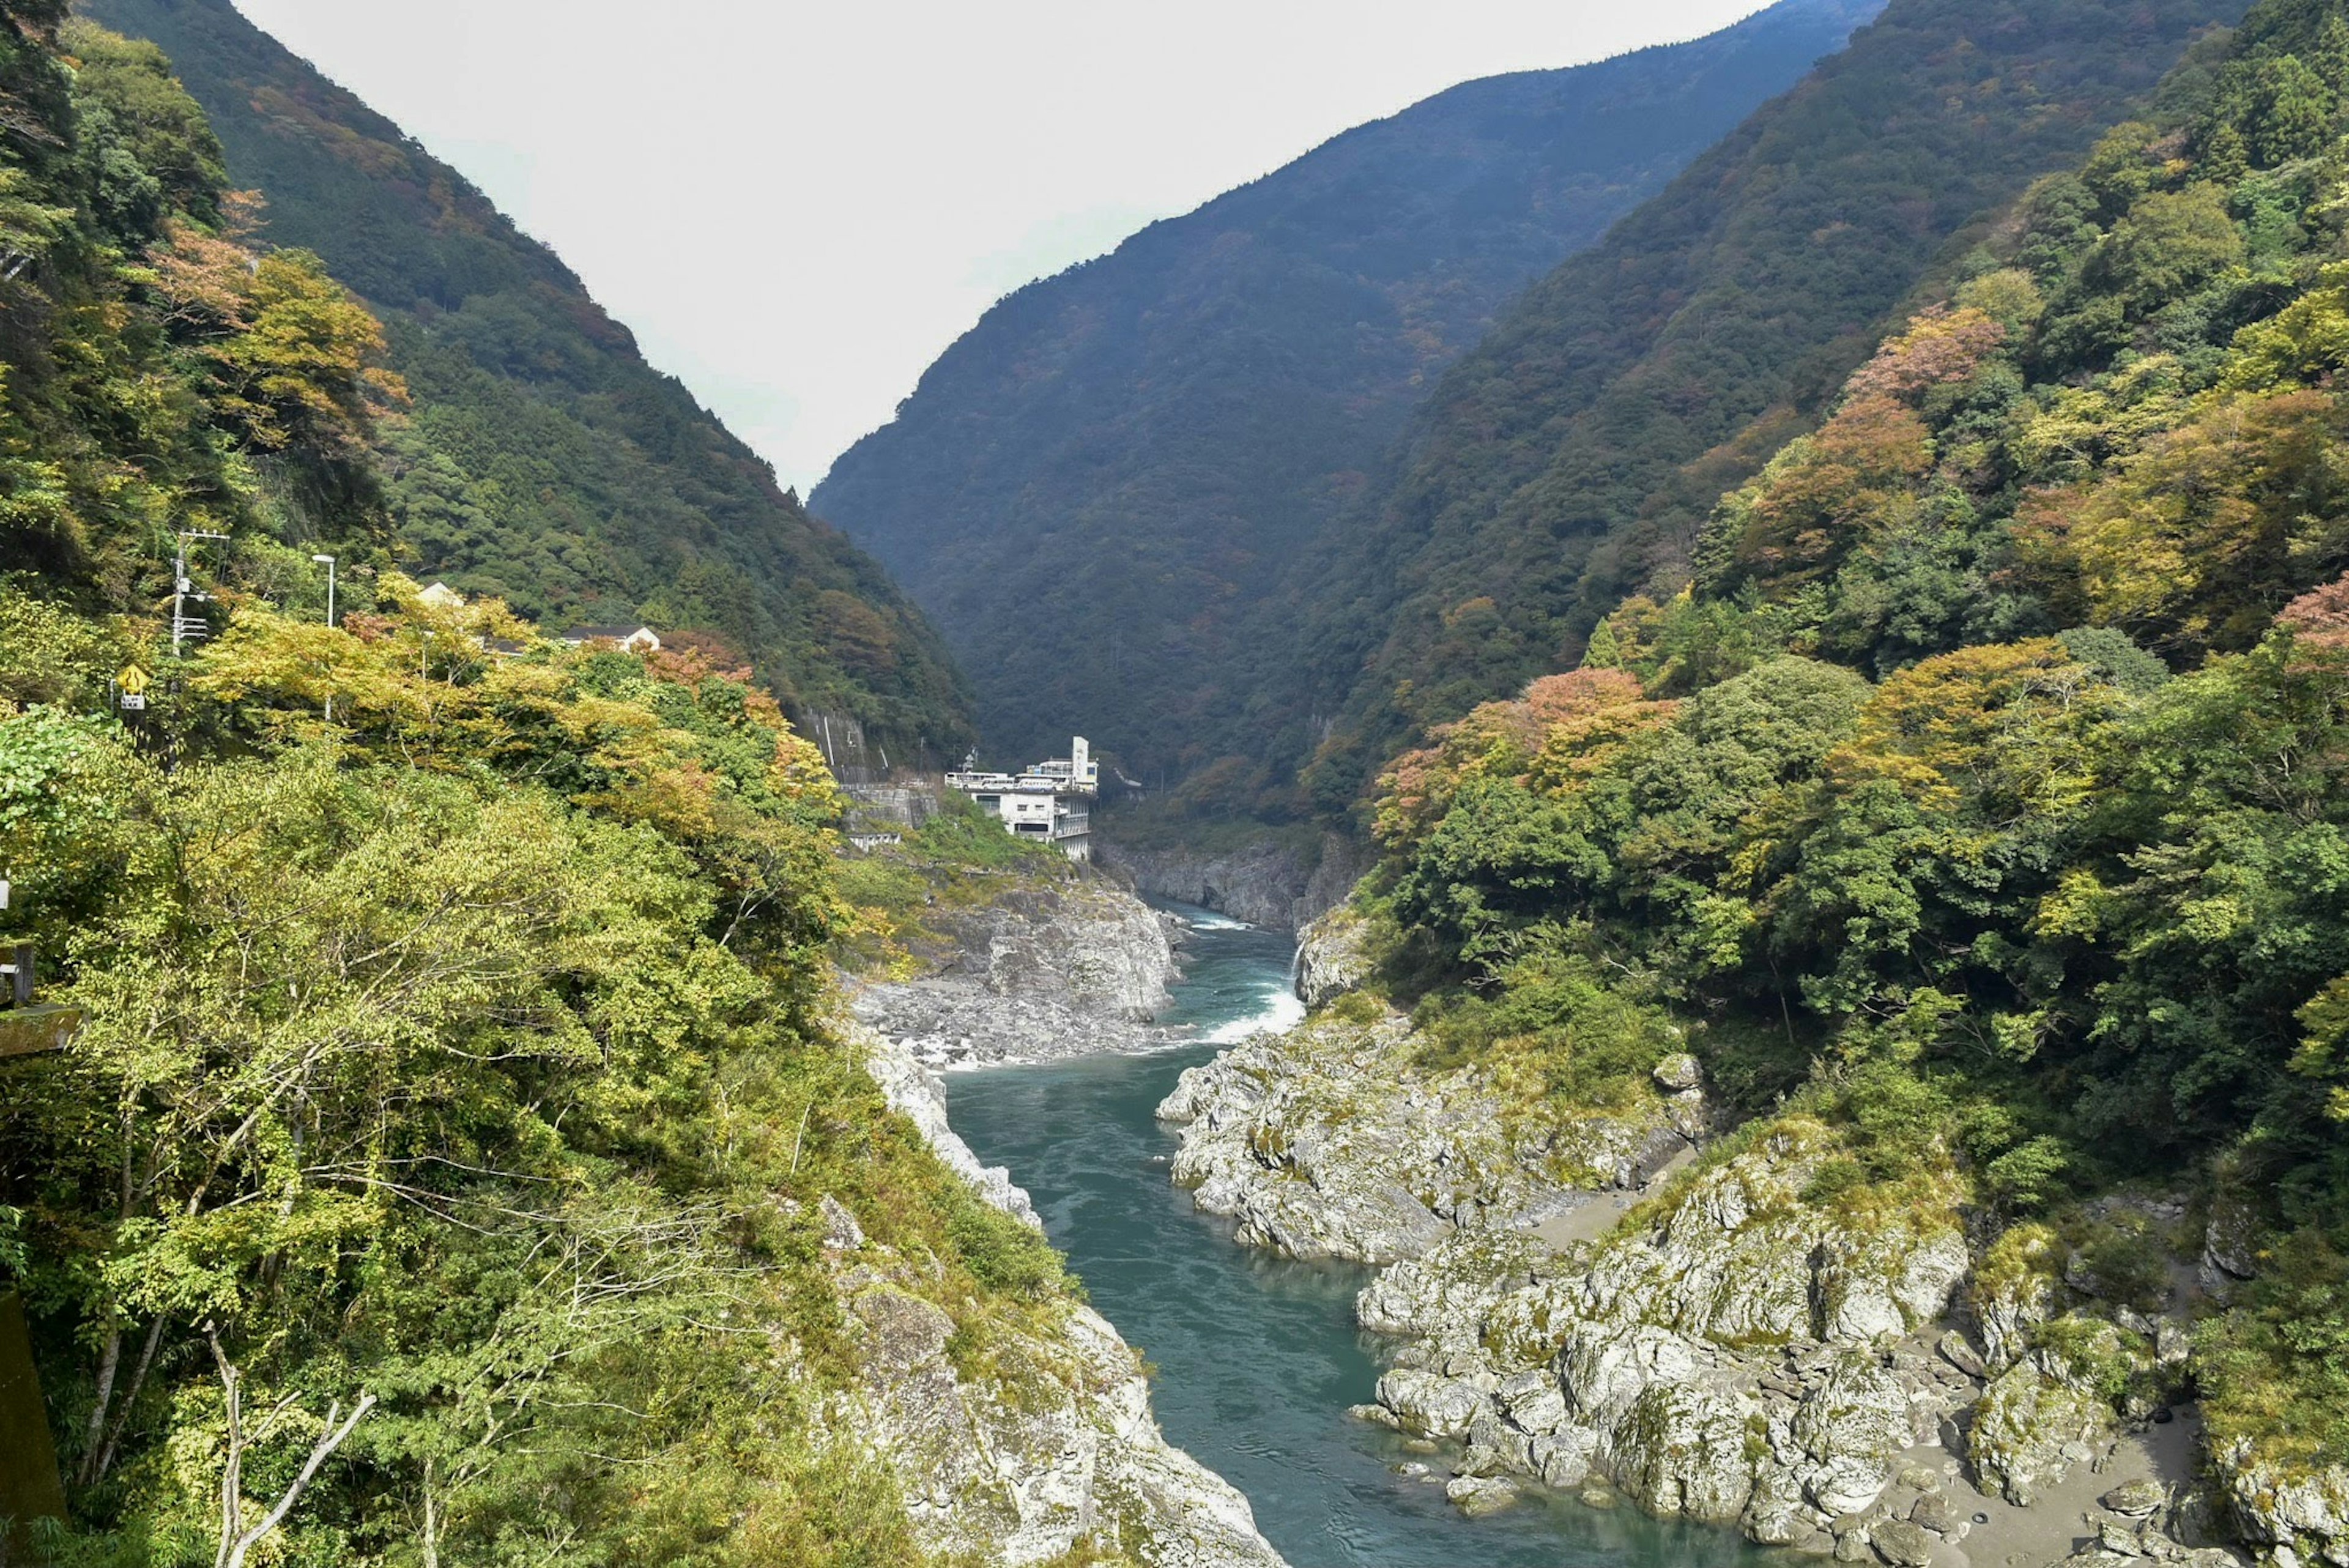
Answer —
(447, 1149)
(1096, 492)
(544, 460)
(1977, 822)
(1572, 454)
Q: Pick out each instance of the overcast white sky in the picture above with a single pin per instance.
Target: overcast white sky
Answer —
(798, 206)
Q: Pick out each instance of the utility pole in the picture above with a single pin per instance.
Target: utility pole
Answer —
(185, 626)
(329, 561)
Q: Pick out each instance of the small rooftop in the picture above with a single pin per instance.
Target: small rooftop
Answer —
(631, 638)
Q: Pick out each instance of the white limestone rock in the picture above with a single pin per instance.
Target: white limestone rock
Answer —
(1329, 1142)
(2299, 1508)
(2028, 1424)
(1332, 957)
(1018, 1473)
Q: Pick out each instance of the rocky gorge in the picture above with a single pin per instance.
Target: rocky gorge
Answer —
(1630, 1302)
(1275, 883)
(1054, 1451)
(1037, 968)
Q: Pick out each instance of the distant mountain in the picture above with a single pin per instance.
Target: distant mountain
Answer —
(1097, 491)
(545, 460)
(1575, 454)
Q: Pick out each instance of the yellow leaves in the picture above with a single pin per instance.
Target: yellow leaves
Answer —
(2188, 540)
(798, 773)
(1561, 730)
(2325, 1017)
(303, 366)
(680, 799)
(2077, 906)
(2305, 342)
(2214, 920)
(296, 665)
(2008, 726)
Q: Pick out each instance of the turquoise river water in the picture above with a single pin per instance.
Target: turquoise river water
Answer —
(1257, 1359)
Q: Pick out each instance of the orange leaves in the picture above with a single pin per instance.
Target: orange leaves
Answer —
(2320, 618)
(1830, 490)
(1942, 348)
(204, 283)
(1560, 730)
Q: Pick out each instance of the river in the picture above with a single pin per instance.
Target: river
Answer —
(1257, 1359)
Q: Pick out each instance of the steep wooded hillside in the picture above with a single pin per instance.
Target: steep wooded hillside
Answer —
(1977, 818)
(433, 1141)
(544, 460)
(1572, 456)
(1096, 493)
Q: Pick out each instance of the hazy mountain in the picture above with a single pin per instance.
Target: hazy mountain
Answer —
(1095, 491)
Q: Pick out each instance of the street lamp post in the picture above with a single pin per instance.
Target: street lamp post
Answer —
(329, 562)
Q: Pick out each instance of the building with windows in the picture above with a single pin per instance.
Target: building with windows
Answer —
(1050, 803)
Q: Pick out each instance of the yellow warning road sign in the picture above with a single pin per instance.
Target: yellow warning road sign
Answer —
(132, 679)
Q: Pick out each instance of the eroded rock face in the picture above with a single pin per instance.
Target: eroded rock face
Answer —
(2032, 1426)
(1331, 957)
(1267, 884)
(1046, 969)
(919, 1096)
(1329, 1142)
(1729, 1357)
(2299, 1513)
(1019, 1476)
(1056, 1445)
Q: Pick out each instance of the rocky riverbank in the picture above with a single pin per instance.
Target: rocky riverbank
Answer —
(1054, 1452)
(1273, 884)
(1036, 970)
(1583, 1302)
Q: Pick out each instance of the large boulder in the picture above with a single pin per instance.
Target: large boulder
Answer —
(1851, 1425)
(1682, 1450)
(2030, 1426)
(1330, 1142)
(1429, 1403)
(1332, 957)
(2300, 1508)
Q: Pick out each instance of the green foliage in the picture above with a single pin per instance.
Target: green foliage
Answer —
(1554, 1031)
(2276, 1370)
(543, 462)
(1572, 458)
(962, 834)
(454, 1002)
(467, 1051)
(2142, 439)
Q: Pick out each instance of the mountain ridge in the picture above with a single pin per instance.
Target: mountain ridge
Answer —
(546, 462)
(1161, 424)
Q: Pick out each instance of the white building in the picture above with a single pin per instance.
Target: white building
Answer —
(627, 638)
(1050, 803)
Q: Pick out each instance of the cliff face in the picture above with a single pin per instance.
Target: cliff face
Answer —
(1057, 1449)
(1272, 883)
(1038, 969)
(1583, 1300)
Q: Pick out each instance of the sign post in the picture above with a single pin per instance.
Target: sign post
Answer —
(132, 683)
